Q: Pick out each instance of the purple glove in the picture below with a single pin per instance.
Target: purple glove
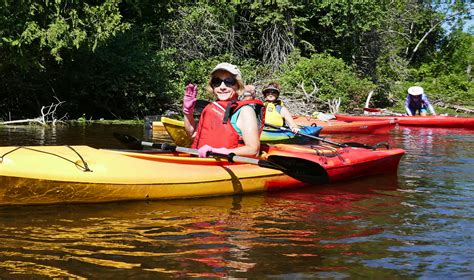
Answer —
(206, 148)
(189, 100)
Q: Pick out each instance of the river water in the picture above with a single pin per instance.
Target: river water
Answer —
(419, 224)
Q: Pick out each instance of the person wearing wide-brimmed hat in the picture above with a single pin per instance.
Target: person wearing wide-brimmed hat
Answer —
(277, 114)
(417, 102)
(227, 125)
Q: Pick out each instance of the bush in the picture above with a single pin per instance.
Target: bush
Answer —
(333, 78)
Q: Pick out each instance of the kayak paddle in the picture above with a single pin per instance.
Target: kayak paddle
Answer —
(341, 145)
(301, 169)
(372, 110)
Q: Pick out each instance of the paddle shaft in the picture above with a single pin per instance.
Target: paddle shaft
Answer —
(151, 144)
(234, 158)
(304, 170)
(301, 169)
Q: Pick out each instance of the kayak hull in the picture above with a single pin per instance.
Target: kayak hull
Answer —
(337, 126)
(426, 121)
(81, 174)
(57, 174)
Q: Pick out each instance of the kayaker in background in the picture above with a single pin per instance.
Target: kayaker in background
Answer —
(277, 114)
(249, 92)
(227, 125)
(417, 101)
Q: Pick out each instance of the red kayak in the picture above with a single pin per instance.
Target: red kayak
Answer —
(344, 163)
(338, 126)
(428, 121)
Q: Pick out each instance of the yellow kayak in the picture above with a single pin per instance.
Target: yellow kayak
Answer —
(175, 129)
(81, 174)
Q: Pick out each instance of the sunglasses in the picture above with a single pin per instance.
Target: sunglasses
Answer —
(271, 91)
(229, 82)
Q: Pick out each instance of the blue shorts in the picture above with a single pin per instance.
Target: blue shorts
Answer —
(422, 110)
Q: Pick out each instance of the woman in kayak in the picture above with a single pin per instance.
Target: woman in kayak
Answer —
(277, 114)
(227, 125)
(417, 101)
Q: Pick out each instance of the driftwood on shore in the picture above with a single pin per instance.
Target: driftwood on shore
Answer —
(457, 108)
(48, 116)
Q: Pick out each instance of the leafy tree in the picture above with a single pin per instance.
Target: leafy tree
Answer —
(36, 28)
(448, 76)
(128, 58)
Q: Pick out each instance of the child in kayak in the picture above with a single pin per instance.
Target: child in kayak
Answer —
(417, 101)
(277, 114)
(227, 125)
(249, 92)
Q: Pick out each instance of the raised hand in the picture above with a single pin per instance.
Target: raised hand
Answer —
(189, 99)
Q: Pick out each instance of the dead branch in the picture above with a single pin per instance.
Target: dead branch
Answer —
(48, 116)
(367, 102)
(334, 105)
(276, 44)
(431, 30)
(457, 108)
(311, 95)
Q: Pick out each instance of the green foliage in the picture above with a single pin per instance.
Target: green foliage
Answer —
(448, 75)
(198, 71)
(200, 31)
(35, 27)
(82, 120)
(121, 79)
(332, 77)
(129, 58)
(447, 88)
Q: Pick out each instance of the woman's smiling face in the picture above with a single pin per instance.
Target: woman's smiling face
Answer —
(224, 85)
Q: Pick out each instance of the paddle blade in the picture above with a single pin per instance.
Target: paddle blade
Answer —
(301, 169)
(200, 105)
(372, 109)
(130, 141)
(136, 144)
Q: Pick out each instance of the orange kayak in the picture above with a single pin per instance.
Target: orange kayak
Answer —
(81, 174)
(338, 126)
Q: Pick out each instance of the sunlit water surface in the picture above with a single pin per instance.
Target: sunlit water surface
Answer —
(418, 224)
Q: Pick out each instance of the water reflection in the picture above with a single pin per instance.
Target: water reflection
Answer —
(416, 225)
(95, 135)
(278, 233)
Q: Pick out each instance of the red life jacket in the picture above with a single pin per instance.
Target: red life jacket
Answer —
(215, 129)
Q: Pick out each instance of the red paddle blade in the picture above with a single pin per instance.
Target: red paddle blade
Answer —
(372, 110)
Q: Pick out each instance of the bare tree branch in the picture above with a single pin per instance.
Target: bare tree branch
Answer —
(429, 31)
(48, 116)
